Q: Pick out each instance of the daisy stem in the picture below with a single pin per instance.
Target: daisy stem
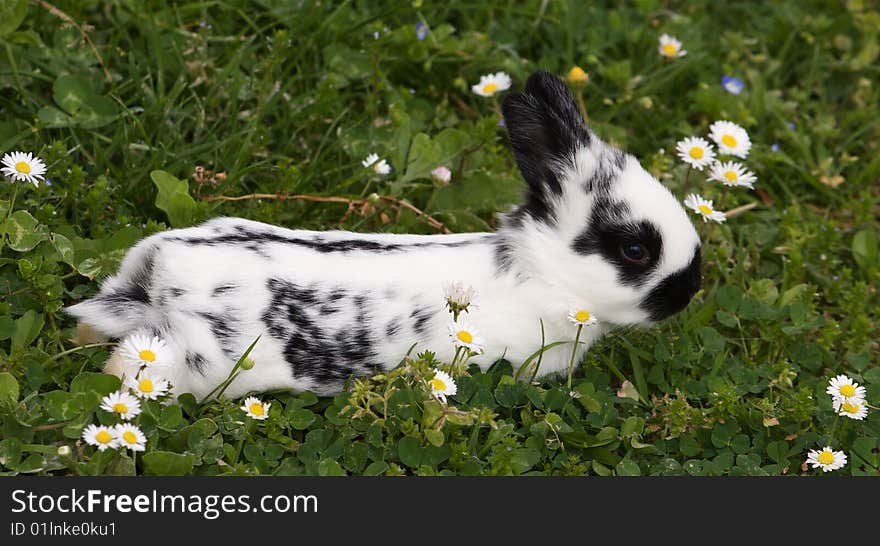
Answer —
(11, 200)
(833, 428)
(233, 373)
(739, 210)
(687, 176)
(541, 355)
(581, 106)
(455, 360)
(574, 349)
(77, 349)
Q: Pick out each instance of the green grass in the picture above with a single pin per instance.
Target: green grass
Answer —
(288, 97)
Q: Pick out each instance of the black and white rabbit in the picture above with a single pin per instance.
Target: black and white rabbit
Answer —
(596, 232)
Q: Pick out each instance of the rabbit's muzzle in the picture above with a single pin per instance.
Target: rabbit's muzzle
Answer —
(675, 291)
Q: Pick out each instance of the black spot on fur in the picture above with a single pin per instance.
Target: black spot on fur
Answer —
(336, 295)
(421, 317)
(222, 327)
(503, 254)
(224, 289)
(608, 233)
(175, 292)
(196, 362)
(675, 291)
(255, 240)
(393, 327)
(314, 351)
(137, 289)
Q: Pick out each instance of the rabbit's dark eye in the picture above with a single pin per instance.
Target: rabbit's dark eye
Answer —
(635, 253)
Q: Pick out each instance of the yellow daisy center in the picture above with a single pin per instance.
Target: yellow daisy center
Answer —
(850, 408)
(728, 141)
(577, 74)
(257, 409)
(464, 336)
(130, 437)
(145, 385)
(669, 50)
(826, 457)
(582, 316)
(437, 384)
(23, 167)
(147, 355)
(696, 152)
(705, 209)
(103, 437)
(730, 175)
(490, 88)
(119, 407)
(847, 390)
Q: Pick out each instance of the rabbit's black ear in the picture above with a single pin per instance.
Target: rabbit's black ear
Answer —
(546, 129)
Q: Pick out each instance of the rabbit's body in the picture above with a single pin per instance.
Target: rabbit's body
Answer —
(596, 232)
(326, 305)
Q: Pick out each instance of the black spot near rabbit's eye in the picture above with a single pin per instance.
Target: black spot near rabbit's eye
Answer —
(633, 247)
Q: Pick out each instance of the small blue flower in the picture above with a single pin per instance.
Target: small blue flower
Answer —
(376, 35)
(47, 182)
(500, 123)
(421, 30)
(791, 125)
(732, 85)
(774, 147)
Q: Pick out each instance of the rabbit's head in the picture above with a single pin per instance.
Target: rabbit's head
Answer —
(595, 226)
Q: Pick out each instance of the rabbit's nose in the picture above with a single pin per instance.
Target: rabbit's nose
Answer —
(675, 291)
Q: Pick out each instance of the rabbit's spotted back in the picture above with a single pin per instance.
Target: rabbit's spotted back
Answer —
(595, 231)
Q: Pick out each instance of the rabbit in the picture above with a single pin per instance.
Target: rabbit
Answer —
(595, 231)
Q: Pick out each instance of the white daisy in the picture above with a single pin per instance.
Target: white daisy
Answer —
(458, 295)
(442, 385)
(379, 166)
(670, 47)
(23, 166)
(696, 152)
(855, 409)
(130, 436)
(147, 385)
(144, 350)
(733, 174)
(441, 175)
(370, 159)
(704, 208)
(465, 336)
(491, 84)
(582, 317)
(844, 389)
(101, 436)
(122, 404)
(255, 409)
(730, 138)
(827, 459)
